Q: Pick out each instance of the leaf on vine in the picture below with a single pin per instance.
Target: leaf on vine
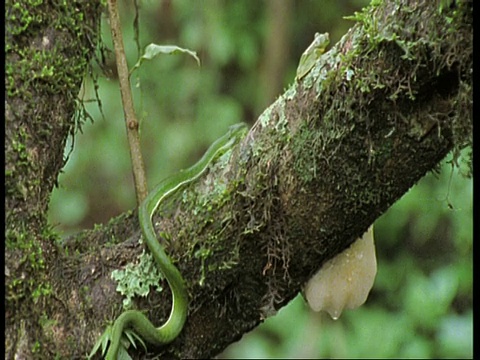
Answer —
(153, 50)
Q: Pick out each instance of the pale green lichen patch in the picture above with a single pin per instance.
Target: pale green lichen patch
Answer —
(137, 279)
(264, 118)
(290, 93)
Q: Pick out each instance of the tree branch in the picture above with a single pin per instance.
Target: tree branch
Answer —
(381, 109)
(48, 46)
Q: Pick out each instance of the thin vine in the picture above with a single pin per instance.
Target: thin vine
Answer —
(131, 121)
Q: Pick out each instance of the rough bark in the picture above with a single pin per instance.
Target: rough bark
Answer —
(381, 109)
(47, 46)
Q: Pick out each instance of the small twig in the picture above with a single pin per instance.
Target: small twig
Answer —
(131, 121)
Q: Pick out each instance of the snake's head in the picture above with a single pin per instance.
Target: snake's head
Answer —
(236, 133)
(237, 130)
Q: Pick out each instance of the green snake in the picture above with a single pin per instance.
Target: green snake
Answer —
(134, 318)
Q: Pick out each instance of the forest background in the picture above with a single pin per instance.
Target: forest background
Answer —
(421, 303)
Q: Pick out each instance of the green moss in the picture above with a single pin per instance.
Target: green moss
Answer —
(210, 252)
(384, 50)
(36, 347)
(31, 260)
(21, 15)
(46, 48)
(39, 63)
(41, 58)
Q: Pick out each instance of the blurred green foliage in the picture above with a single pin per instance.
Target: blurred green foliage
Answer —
(421, 303)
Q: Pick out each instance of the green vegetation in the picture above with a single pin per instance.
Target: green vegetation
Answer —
(421, 304)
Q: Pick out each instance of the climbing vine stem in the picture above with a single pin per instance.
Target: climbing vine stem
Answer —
(131, 121)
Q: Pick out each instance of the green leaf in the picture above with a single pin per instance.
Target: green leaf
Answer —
(132, 336)
(153, 50)
(129, 335)
(103, 341)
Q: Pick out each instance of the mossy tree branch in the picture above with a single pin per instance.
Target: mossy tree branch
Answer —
(48, 46)
(381, 109)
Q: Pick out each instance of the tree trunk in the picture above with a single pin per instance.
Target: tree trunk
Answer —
(377, 112)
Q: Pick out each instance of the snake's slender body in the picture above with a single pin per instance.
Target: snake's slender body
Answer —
(134, 318)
